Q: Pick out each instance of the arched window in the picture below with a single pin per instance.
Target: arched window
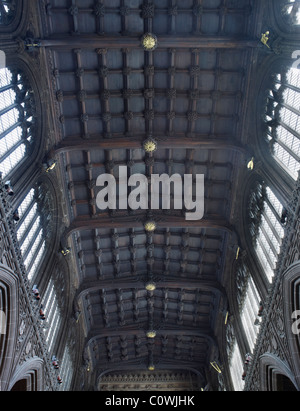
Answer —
(283, 120)
(9, 323)
(249, 304)
(53, 316)
(30, 233)
(3, 318)
(16, 119)
(237, 368)
(235, 359)
(66, 372)
(7, 11)
(266, 227)
(291, 10)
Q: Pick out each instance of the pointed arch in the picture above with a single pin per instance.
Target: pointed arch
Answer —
(286, 14)
(291, 299)
(282, 120)
(17, 120)
(290, 11)
(12, 16)
(276, 375)
(28, 376)
(9, 303)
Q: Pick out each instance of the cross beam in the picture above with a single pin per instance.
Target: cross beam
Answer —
(204, 333)
(120, 42)
(105, 221)
(124, 283)
(69, 145)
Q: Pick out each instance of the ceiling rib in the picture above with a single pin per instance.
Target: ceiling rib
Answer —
(72, 144)
(82, 224)
(176, 42)
(137, 283)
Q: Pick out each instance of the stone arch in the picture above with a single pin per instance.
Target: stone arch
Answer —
(16, 19)
(9, 302)
(291, 309)
(29, 376)
(284, 21)
(275, 374)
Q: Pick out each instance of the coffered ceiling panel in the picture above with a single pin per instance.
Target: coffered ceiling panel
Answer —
(166, 16)
(188, 95)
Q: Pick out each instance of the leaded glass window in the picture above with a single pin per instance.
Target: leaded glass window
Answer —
(266, 227)
(16, 120)
(30, 233)
(283, 120)
(66, 372)
(249, 304)
(237, 368)
(53, 315)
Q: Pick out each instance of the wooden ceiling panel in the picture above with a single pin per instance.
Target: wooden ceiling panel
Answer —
(182, 17)
(114, 101)
(111, 96)
(120, 350)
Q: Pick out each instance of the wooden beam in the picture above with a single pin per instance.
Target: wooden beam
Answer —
(139, 283)
(131, 331)
(118, 42)
(105, 221)
(69, 144)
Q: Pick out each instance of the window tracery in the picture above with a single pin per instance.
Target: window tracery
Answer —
(291, 11)
(17, 110)
(66, 372)
(34, 228)
(249, 302)
(237, 368)
(266, 227)
(249, 314)
(7, 11)
(282, 119)
(53, 315)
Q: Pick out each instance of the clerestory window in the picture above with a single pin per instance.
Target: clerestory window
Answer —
(267, 219)
(16, 120)
(283, 121)
(249, 313)
(237, 368)
(66, 372)
(30, 234)
(53, 315)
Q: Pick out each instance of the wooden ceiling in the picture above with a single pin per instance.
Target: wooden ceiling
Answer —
(111, 95)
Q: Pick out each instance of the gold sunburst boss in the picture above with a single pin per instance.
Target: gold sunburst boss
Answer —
(149, 42)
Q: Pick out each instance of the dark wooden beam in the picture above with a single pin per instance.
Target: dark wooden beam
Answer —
(204, 333)
(105, 221)
(71, 144)
(130, 283)
(118, 42)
